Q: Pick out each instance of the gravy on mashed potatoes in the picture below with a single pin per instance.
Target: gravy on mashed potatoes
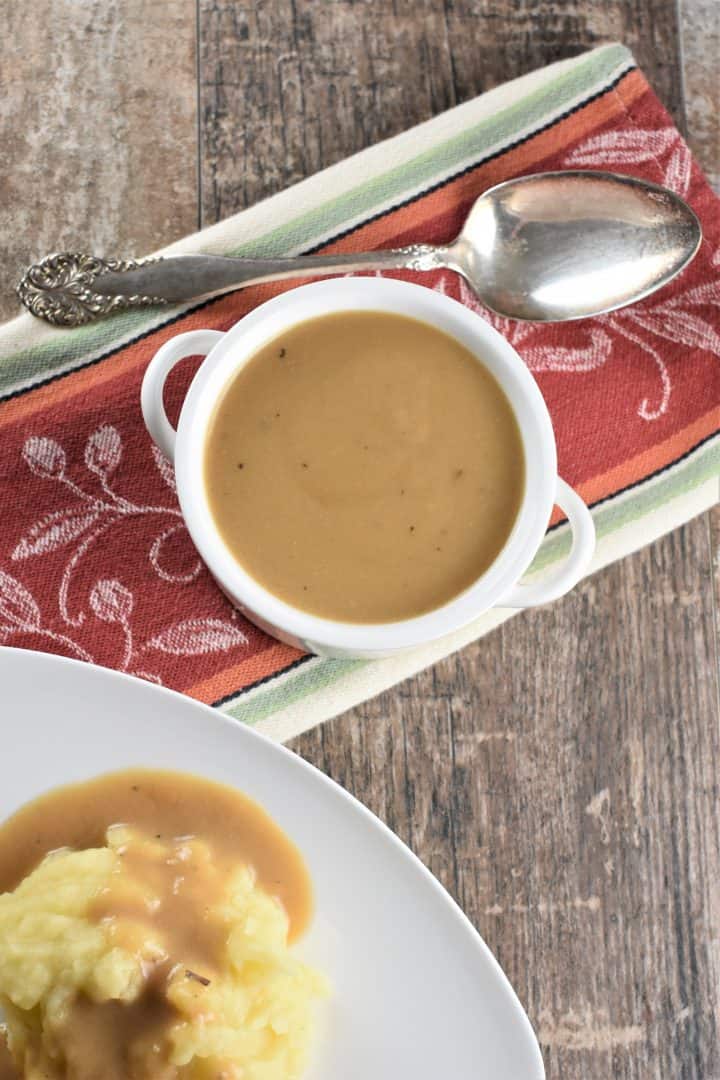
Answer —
(144, 927)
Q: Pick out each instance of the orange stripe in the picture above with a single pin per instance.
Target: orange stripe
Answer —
(82, 382)
(644, 464)
(631, 87)
(226, 311)
(509, 163)
(125, 361)
(649, 461)
(271, 660)
(278, 656)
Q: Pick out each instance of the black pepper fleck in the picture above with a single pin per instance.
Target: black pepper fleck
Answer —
(281, 354)
(412, 528)
(197, 978)
(241, 464)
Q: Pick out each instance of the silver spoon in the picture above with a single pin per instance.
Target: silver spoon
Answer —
(547, 248)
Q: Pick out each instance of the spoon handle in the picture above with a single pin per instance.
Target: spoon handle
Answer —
(70, 288)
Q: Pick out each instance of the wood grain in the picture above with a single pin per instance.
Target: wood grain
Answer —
(288, 88)
(559, 776)
(701, 49)
(714, 532)
(98, 129)
(701, 72)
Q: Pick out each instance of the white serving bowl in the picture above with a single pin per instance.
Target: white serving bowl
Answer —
(227, 352)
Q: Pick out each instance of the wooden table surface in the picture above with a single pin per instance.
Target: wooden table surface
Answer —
(560, 776)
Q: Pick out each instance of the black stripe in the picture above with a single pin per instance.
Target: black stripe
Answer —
(476, 165)
(266, 679)
(600, 502)
(206, 304)
(650, 476)
(98, 359)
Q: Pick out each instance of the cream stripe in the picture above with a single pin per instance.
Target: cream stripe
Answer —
(611, 517)
(261, 221)
(373, 678)
(396, 153)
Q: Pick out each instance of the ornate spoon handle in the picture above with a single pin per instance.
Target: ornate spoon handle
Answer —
(69, 289)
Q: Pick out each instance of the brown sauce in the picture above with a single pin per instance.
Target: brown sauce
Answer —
(164, 805)
(106, 1041)
(210, 830)
(363, 466)
(7, 1068)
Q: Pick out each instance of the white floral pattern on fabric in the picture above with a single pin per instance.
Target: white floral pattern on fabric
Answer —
(651, 325)
(88, 611)
(641, 324)
(79, 527)
(615, 150)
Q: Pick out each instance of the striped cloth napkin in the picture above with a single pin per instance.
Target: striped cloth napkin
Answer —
(95, 562)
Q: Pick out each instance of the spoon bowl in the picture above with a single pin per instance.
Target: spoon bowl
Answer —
(567, 245)
(549, 247)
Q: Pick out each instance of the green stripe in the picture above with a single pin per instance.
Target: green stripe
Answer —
(650, 496)
(295, 687)
(680, 480)
(453, 153)
(41, 360)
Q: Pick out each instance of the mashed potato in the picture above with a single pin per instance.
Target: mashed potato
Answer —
(94, 969)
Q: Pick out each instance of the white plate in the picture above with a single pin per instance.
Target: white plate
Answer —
(417, 993)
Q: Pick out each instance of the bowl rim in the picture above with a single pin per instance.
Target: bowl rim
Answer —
(245, 338)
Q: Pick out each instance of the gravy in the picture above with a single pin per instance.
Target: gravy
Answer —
(7, 1068)
(209, 831)
(364, 467)
(165, 805)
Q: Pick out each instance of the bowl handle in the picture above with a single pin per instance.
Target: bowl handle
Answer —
(572, 569)
(193, 343)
